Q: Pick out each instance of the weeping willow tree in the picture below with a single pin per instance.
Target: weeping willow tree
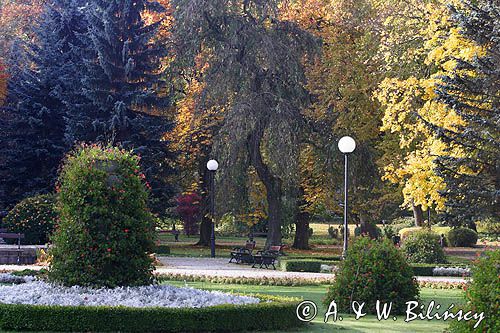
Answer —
(254, 68)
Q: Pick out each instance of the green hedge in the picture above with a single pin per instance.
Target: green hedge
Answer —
(162, 249)
(277, 314)
(313, 266)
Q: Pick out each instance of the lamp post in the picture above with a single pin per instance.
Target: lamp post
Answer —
(346, 145)
(212, 167)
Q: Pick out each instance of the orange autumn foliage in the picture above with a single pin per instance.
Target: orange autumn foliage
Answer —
(16, 20)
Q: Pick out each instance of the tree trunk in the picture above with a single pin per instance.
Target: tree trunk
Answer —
(206, 223)
(273, 188)
(301, 240)
(418, 214)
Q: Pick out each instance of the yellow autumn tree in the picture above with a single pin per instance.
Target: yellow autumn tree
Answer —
(410, 103)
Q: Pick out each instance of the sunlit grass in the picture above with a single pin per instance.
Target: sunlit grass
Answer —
(348, 324)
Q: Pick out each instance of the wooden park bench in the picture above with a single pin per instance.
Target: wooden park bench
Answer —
(265, 259)
(4, 234)
(243, 254)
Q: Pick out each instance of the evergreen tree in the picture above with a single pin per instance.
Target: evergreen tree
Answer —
(32, 121)
(473, 92)
(115, 97)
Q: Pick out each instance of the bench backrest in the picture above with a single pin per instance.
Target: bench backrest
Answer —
(9, 235)
(276, 248)
(250, 245)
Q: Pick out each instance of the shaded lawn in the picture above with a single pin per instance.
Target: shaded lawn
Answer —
(349, 324)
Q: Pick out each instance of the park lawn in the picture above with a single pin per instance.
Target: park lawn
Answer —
(349, 324)
(322, 246)
(186, 247)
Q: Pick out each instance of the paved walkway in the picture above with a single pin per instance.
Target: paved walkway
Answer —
(219, 267)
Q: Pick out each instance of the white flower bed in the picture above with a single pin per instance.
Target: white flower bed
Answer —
(451, 271)
(8, 278)
(42, 293)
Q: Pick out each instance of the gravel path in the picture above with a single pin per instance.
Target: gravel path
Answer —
(219, 267)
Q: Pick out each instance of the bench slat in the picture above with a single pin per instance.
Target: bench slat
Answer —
(11, 235)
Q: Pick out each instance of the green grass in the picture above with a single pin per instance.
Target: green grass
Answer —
(349, 324)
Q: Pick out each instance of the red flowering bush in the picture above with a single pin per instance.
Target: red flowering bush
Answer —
(373, 270)
(188, 207)
(106, 232)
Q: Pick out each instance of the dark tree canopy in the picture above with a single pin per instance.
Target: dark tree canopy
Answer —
(115, 99)
(255, 71)
(32, 120)
(94, 75)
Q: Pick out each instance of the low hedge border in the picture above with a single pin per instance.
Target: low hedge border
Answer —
(259, 281)
(305, 265)
(162, 250)
(273, 313)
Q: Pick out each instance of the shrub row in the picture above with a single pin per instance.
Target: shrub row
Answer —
(162, 249)
(274, 313)
(312, 266)
(457, 237)
(262, 281)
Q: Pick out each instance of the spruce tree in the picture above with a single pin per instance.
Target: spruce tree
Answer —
(115, 96)
(473, 91)
(32, 121)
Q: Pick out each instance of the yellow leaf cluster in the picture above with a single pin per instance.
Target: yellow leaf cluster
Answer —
(411, 105)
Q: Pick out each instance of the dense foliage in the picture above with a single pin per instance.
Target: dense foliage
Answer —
(255, 73)
(483, 295)
(423, 247)
(119, 93)
(35, 217)
(374, 270)
(414, 82)
(106, 232)
(463, 237)
(472, 91)
(188, 207)
(34, 107)
(83, 77)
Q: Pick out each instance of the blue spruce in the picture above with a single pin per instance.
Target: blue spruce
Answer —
(33, 121)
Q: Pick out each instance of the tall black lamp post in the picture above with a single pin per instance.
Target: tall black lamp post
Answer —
(346, 145)
(212, 167)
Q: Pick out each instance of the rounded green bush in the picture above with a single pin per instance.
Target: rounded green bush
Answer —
(462, 237)
(483, 295)
(424, 247)
(106, 232)
(35, 217)
(373, 270)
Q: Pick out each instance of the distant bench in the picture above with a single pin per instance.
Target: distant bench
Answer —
(4, 234)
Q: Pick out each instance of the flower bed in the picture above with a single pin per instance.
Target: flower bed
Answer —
(42, 293)
(141, 309)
